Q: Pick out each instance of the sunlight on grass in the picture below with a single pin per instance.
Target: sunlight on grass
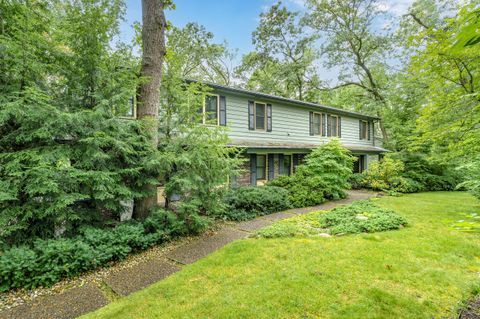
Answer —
(421, 271)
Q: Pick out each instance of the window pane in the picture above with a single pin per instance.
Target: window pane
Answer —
(334, 125)
(261, 166)
(287, 162)
(364, 130)
(316, 124)
(260, 116)
(211, 103)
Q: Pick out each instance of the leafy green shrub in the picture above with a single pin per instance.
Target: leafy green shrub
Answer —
(433, 175)
(247, 202)
(357, 181)
(325, 175)
(359, 217)
(303, 190)
(47, 261)
(384, 174)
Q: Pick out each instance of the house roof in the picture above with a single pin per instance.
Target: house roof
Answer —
(285, 100)
(298, 146)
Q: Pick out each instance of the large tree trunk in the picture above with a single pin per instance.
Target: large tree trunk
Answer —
(153, 37)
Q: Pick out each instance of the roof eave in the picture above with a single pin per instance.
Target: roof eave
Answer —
(285, 100)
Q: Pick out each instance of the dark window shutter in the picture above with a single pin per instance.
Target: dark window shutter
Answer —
(329, 125)
(368, 130)
(223, 111)
(271, 167)
(360, 135)
(311, 123)
(269, 117)
(253, 169)
(373, 133)
(339, 127)
(324, 125)
(251, 115)
(280, 164)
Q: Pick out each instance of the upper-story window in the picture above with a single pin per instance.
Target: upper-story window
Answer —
(334, 129)
(317, 123)
(210, 109)
(259, 116)
(364, 130)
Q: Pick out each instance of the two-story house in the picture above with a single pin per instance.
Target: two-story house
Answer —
(276, 133)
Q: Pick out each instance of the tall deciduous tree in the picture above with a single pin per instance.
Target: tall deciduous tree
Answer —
(352, 44)
(283, 60)
(201, 58)
(153, 50)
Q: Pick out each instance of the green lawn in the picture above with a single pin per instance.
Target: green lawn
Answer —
(421, 271)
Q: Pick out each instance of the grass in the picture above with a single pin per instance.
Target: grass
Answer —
(421, 271)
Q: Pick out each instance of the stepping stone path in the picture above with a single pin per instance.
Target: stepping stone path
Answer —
(77, 301)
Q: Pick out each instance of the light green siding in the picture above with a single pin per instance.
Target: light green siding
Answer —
(290, 124)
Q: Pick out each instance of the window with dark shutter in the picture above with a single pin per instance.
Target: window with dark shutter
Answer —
(324, 124)
(223, 111)
(211, 109)
(259, 116)
(311, 123)
(339, 126)
(360, 129)
(251, 115)
(261, 167)
(253, 169)
(287, 165)
(271, 167)
(364, 130)
(329, 125)
(269, 117)
(280, 164)
(317, 123)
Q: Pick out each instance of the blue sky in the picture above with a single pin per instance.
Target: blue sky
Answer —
(234, 20)
(230, 20)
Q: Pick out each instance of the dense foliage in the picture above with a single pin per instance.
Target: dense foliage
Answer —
(66, 159)
(248, 202)
(324, 175)
(407, 172)
(359, 217)
(46, 261)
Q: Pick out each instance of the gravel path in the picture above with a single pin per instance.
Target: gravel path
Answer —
(74, 297)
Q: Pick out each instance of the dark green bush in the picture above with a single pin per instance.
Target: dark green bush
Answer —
(303, 190)
(247, 202)
(47, 261)
(324, 176)
(357, 181)
(433, 175)
(360, 217)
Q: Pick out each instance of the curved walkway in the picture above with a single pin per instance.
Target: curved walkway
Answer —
(80, 300)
